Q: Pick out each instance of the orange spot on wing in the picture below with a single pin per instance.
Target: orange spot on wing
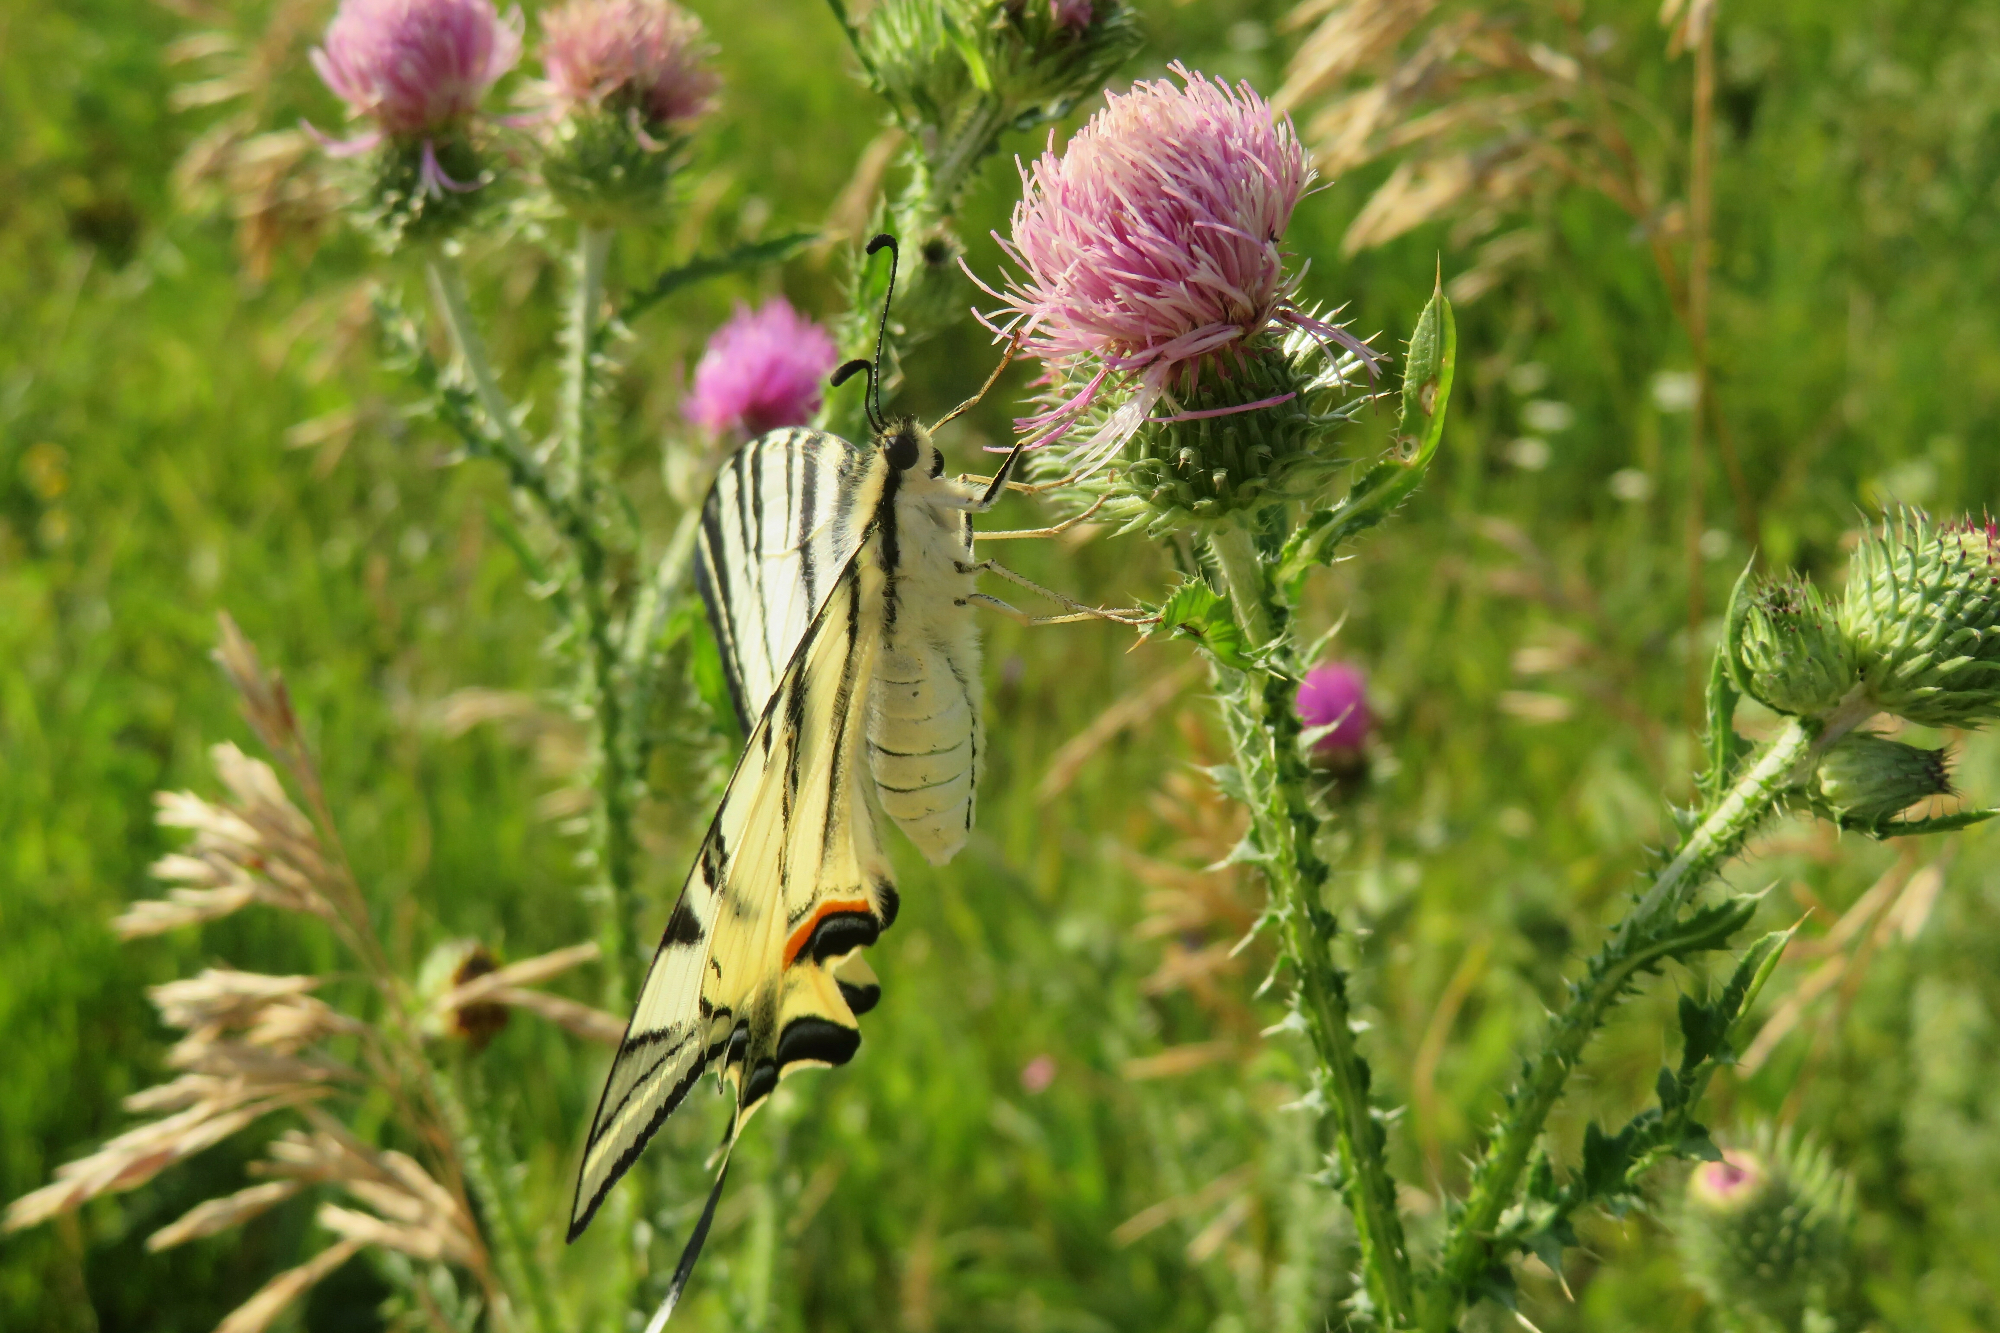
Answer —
(821, 913)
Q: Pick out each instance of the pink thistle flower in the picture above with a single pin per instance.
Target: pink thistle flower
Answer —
(1730, 1184)
(762, 370)
(1335, 694)
(1038, 1074)
(416, 68)
(1150, 246)
(1072, 14)
(646, 54)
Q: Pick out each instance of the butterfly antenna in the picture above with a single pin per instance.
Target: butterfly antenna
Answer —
(882, 326)
(869, 409)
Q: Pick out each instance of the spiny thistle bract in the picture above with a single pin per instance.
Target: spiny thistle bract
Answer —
(1923, 613)
(625, 80)
(1794, 654)
(1205, 458)
(1867, 778)
(1764, 1232)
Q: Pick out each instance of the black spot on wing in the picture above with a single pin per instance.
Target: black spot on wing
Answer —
(763, 1079)
(683, 927)
(839, 934)
(815, 1039)
(892, 902)
(859, 998)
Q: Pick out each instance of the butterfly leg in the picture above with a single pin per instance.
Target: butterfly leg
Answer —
(1020, 617)
(1078, 611)
(1051, 531)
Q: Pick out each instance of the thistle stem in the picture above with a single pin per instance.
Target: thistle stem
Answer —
(448, 286)
(1468, 1251)
(570, 513)
(1236, 560)
(642, 629)
(593, 249)
(520, 1273)
(950, 168)
(1264, 732)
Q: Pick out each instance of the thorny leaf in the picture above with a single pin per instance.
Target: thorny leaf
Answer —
(1725, 748)
(1380, 491)
(752, 254)
(1196, 611)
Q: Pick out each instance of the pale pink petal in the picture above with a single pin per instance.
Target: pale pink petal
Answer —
(762, 370)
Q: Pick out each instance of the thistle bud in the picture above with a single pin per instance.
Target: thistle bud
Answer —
(625, 81)
(1333, 700)
(414, 72)
(1794, 655)
(1868, 778)
(959, 72)
(1923, 613)
(448, 967)
(763, 370)
(1207, 455)
(1765, 1230)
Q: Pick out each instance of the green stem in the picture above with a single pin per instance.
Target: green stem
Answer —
(949, 170)
(1718, 837)
(520, 1272)
(448, 286)
(1468, 1250)
(1236, 560)
(1264, 732)
(642, 659)
(616, 847)
(593, 248)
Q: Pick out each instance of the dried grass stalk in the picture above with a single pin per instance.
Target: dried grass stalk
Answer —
(139, 1154)
(580, 1019)
(274, 1297)
(507, 986)
(216, 1215)
(259, 849)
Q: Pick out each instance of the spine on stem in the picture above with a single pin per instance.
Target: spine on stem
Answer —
(1644, 935)
(1265, 736)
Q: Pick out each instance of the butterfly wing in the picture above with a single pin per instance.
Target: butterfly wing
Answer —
(790, 881)
(783, 518)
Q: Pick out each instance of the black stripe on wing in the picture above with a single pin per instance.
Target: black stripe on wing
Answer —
(786, 1010)
(784, 515)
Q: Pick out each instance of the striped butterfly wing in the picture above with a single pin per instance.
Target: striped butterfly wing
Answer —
(790, 881)
(783, 518)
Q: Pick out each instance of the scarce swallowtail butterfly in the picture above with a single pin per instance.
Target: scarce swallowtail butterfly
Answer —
(839, 581)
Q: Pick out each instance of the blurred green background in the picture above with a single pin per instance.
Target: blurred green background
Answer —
(1063, 1117)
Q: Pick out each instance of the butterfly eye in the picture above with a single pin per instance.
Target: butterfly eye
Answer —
(901, 449)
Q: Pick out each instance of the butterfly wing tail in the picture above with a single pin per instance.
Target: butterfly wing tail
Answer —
(692, 1251)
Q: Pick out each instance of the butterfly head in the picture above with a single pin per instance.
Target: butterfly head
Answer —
(905, 443)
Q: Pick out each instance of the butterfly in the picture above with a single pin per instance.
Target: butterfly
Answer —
(839, 581)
